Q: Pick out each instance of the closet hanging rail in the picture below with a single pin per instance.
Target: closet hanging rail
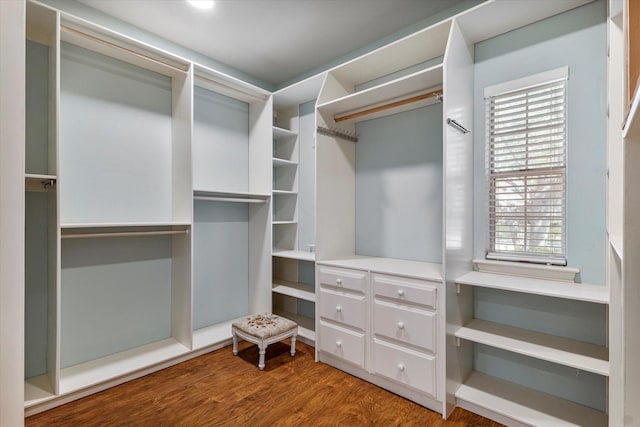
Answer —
(123, 234)
(229, 199)
(435, 94)
(458, 126)
(115, 46)
(339, 133)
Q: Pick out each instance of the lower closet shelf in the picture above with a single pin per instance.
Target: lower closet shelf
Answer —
(296, 290)
(37, 389)
(485, 394)
(211, 335)
(120, 364)
(576, 354)
(306, 325)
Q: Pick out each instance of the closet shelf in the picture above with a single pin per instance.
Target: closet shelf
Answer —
(280, 133)
(117, 365)
(131, 226)
(37, 390)
(414, 84)
(39, 183)
(292, 289)
(284, 222)
(306, 325)
(573, 291)
(282, 162)
(568, 352)
(218, 334)
(284, 192)
(299, 255)
(482, 393)
(230, 194)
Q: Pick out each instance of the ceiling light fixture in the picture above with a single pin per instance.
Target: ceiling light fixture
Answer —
(201, 4)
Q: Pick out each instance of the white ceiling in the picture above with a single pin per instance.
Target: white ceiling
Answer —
(273, 40)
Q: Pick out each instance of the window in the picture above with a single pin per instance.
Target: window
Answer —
(526, 162)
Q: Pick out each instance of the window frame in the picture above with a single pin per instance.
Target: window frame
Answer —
(514, 86)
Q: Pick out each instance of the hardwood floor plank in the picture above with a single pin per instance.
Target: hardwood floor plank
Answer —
(218, 389)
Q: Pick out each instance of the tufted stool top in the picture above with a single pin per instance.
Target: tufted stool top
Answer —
(264, 325)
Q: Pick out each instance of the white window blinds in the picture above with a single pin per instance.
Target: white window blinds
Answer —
(526, 134)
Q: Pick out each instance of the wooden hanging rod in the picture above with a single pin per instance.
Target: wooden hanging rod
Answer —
(118, 47)
(436, 94)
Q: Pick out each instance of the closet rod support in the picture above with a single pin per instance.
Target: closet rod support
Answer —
(457, 126)
(229, 199)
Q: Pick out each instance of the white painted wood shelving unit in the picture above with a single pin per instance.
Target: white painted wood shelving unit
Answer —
(294, 295)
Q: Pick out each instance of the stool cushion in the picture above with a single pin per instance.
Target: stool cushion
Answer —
(264, 325)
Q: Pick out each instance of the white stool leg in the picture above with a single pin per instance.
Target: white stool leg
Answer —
(235, 344)
(263, 350)
(293, 344)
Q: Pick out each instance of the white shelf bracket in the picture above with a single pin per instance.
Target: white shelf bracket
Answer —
(457, 342)
(457, 288)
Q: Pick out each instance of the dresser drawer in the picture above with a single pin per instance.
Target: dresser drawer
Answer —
(342, 343)
(340, 278)
(408, 367)
(405, 290)
(342, 307)
(405, 324)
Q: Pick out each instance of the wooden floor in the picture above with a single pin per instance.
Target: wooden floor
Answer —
(218, 389)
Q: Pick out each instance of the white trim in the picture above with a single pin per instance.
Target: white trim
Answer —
(549, 76)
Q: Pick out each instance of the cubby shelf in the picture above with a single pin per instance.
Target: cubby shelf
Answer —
(576, 354)
(284, 192)
(482, 393)
(296, 290)
(37, 390)
(299, 255)
(282, 162)
(37, 182)
(280, 133)
(413, 84)
(551, 288)
(284, 222)
(306, 325)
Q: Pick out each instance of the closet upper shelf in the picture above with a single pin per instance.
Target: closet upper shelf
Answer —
(280, 133)
(39, 183)
(417, 83)
(409, 51)
(277, 162)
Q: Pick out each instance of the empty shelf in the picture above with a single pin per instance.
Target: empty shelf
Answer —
(527, 406)
(37, 389)
(299, 255)
(282, 162)
(280, 133)
(306, 325)
(296, 290)
(39, 183)
(284, 222)
(219, 333)
(551, 288)
(283, 192)
(564, 351)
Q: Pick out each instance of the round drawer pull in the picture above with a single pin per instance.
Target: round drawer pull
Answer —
(338, 308)
(339, 344)
(400, 293)
(339, 281)
(400, 325)
(401, 367)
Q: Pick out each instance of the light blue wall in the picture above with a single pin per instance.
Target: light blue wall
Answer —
(399, 185)
(578, 39)
(116, 295)
(36, 288)
(37, 108)
(220, 142)
(220, 262)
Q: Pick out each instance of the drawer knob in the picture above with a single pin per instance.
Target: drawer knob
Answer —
(400, 325)
(338, 308)
(400, 293)
(401, 367)
(339, 281)
(339, 344)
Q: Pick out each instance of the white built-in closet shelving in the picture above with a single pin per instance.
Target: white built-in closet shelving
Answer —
(293, 288)
(119, 213)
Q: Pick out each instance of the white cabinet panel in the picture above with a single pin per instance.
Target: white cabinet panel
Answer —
(343, 308)
(408, 367)
(343, 279)
(405, 324)
(340, 342)
(405, 290)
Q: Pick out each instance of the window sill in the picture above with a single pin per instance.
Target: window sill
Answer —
(536, 271)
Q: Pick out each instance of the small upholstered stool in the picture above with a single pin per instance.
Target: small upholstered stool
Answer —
(264, 329)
